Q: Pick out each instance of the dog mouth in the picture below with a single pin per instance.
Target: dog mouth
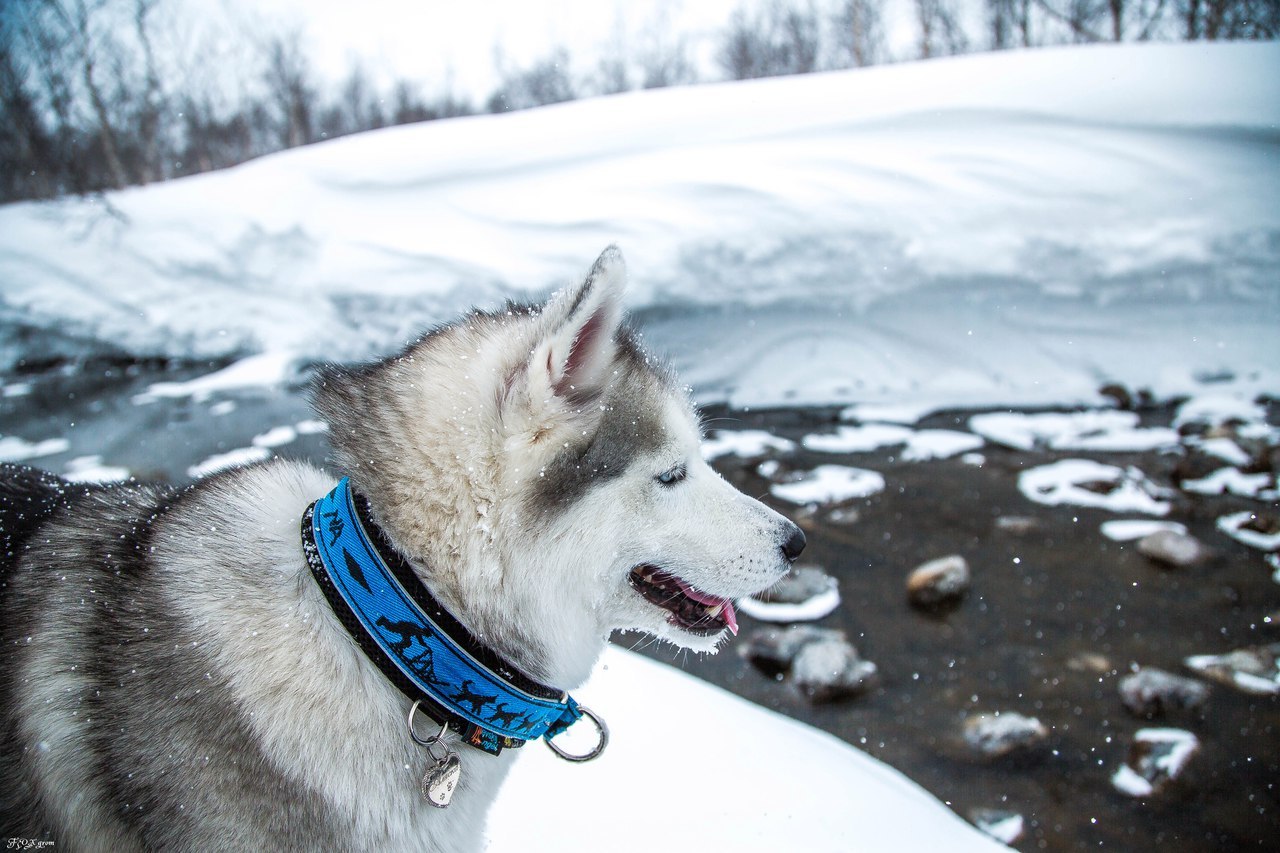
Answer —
(688, 609)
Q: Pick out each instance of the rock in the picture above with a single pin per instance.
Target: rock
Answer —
(1118, 394)
(1157, 757)
(1254, 669)
(939, 583)
(1001, 824)
(1174, 549)
(999, 734)
(829, 669)
(1090, 662)
(772, 650)
(1149, 692)
(1018, 525)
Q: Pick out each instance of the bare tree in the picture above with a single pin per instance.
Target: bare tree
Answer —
(291, 90)
(859, 33)
(1229, 19)
(781, 38)
(547, 81)
(940, 30)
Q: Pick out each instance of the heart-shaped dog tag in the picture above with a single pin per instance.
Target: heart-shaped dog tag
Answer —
(440, 780)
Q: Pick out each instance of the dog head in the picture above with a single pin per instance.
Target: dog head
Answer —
(543, 474)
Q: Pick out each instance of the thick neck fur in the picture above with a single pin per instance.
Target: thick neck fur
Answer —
(421, 436)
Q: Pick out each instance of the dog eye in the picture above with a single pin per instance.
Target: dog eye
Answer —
(673, 475)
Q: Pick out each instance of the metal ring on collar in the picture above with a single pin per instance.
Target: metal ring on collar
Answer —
(427, 742)
(601, 728)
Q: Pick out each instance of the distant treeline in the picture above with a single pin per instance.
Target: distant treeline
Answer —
(104, 94)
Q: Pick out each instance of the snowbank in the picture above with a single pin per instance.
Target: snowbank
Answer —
(1006, 228)
(753, 781)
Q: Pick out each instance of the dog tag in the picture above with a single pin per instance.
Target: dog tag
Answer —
(440, 780)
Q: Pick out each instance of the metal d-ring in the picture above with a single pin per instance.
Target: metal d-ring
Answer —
(427, 742)
(601, 728)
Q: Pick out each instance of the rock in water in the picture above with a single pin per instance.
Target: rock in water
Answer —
(1156, 757)
(1255, 669)
(939, 583)
(829, 669)
(773, 650)
(1171, 548)
(999, 734)
(1150, 692)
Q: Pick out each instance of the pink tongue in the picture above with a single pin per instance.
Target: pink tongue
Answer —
(729, 615)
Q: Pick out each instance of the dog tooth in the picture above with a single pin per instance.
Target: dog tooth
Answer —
(715, 611)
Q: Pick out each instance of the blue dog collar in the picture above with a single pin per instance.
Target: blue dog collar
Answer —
(414, 641)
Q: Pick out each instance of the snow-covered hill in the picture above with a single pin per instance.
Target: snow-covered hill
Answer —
(1014, 227)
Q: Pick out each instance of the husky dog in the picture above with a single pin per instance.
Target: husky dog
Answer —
(173, 676)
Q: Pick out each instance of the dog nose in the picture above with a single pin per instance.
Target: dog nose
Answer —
(794, 544)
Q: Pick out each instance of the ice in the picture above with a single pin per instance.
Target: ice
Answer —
(830, 484)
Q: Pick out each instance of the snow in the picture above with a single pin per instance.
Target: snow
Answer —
(989, 230)
(1231, 481)
(809, 610)
(1176, 747)
(830, 484)
(268, 369)
(918, 445)
(89, 469)
(1234, 526)
(275, 437)
(747, 443)
(825, 795)
(230, 459)
(1088, 431)
(1064, 483)
(14, 449)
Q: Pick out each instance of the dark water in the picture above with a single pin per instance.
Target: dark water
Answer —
(1055, 617)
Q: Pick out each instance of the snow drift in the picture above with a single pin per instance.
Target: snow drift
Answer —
(1012, 227)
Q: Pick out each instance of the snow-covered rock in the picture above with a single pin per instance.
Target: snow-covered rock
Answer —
(1156, 757)
(1150, 692)
(830, 668)
(746, 443)
(1084, 482)
(1254, 669)
(1003, 733)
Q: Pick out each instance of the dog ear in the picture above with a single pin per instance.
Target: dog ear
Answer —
(572, 356)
